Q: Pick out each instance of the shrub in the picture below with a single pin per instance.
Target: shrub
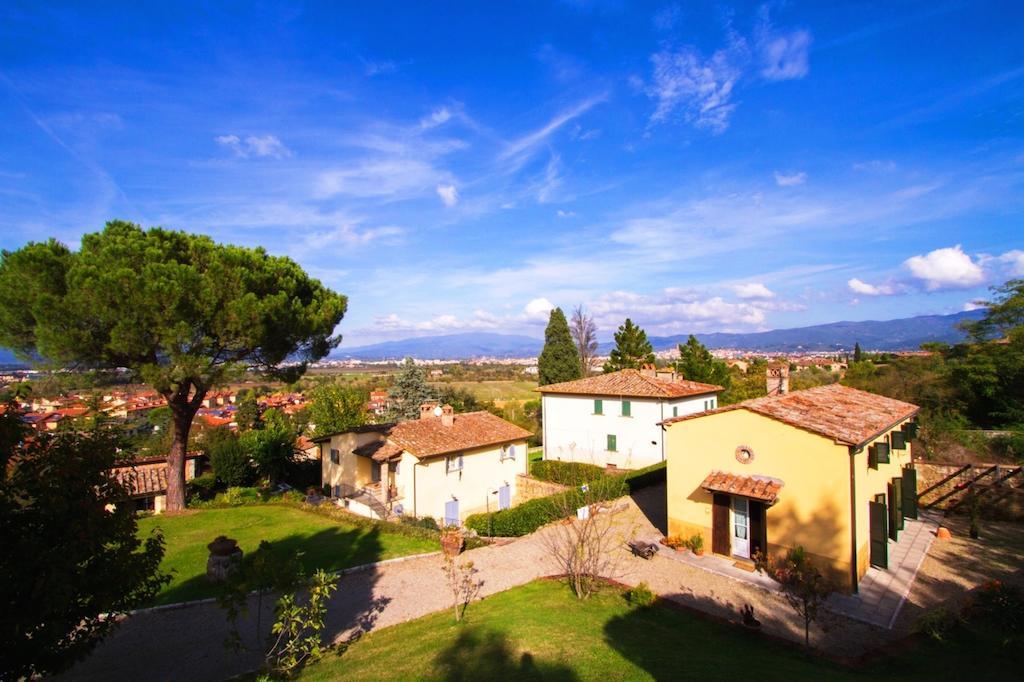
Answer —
(1004, 605)
(228, 458)
(695, 543)
(937, 623)
(566, 473)
(202, 487)
(427, 522)
(641, 595)
(648, 476)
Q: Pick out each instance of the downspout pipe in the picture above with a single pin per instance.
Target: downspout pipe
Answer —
(853, 516)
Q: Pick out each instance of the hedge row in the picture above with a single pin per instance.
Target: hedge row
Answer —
(531, 515)
(566, 473)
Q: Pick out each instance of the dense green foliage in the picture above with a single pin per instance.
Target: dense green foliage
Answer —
(334, 408)
(409, 391)
(696, 363)
(632, 349)
(271, 450)
(181, 311)
(527, 517)
(559, 360)
(70, 555)
(231, 463)
(566, 473)
(247, 416)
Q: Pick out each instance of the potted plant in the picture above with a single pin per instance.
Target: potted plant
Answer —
(451, 541)
(673, 542)
(696, 544)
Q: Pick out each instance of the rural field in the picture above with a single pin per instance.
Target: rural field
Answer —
(498, 390)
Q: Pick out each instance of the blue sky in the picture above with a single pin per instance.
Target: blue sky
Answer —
(458, 167)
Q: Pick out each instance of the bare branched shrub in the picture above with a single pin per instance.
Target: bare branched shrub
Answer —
(463, 583)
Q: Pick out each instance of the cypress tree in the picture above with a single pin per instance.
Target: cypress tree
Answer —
(696, 363)
(559, 361)
(632, 349)
(858, 355)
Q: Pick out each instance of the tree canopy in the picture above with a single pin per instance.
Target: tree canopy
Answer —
(559, 360)
(72, 561)
(334, 408)
(181, 311)
(696, 363)
(632, 349)
(409, 391)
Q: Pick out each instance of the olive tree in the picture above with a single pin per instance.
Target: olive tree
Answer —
(181, 311)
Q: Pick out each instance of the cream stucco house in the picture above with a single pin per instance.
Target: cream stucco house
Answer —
(612, 419)
(443, 465)
(827, 469)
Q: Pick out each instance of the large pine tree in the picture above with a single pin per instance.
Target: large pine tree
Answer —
(559, 361)
(632, 349)
(696, 363)
(409, 391)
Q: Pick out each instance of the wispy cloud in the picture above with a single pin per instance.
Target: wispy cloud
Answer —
(861, 287)
(449, 195)
(523, 147)
(254, 146)
(753, 290)
(783, 180)
(783, 54)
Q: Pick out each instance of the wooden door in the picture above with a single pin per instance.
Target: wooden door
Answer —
(720, 543)
(758, 529)
(910, 493)
(879, 532)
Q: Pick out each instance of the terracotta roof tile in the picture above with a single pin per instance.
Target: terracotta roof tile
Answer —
(630, 383)
(378, 450)
(761, 488)
(429, 437)
(845, 414)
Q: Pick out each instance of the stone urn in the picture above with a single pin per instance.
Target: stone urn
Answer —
(452, 542)
(225, 558)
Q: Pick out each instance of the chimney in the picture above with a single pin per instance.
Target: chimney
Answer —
(447, 416)
(777, 379)
(649, 370)
(666, 374)
(427, 410)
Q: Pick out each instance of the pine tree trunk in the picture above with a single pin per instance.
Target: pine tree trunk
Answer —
(182, 416)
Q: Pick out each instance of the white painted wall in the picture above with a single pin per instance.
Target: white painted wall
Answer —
(574, 433)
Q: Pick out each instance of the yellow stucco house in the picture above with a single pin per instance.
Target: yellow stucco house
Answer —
(443, 465)
(827, 468)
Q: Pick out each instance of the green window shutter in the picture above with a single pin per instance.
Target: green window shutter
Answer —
(910, 428)
(598, 406)
(898, 440)
(879, 545)
(611, 443)
(882, 452)
(625, 408)
(675, 411)
(909, 492)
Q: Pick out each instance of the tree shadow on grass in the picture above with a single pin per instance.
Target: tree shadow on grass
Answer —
(482, 654)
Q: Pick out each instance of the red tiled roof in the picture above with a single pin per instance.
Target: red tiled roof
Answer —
(378, 450)
(429, 437)
(755, 487)
(845, 414)
(630, 383)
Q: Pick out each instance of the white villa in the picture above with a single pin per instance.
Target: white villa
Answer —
(613, 419)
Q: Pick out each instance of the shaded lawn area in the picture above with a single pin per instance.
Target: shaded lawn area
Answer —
(540, 631)
(324, 542)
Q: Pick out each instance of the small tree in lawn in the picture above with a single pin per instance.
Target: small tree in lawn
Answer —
(632, 349)
(803, 585)
(179, 310)
(462, 582)
(409, 391)
(559, 359)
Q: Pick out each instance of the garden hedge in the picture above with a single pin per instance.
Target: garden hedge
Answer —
(566, 473)
(527, 517)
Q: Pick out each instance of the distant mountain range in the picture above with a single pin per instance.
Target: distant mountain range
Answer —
(903, 334)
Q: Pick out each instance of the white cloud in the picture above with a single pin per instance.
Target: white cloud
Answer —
(875, 166)
(790, 180)
(374, 67)
(1014, 262)
(437, 117)
(258, 146)
(551, 180)
(701, 88)
(948, 268)
(668, 314)
(783, 55)
(538, 309)
(859, 286)
(564, 214)
(973, 305)
(523, 147)
(378, 178)
(349, 234)
(753, 290)
(449, 194)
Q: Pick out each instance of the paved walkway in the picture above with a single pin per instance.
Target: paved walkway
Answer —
(882, 592)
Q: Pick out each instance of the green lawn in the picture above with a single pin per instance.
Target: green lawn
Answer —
(540, 631)
(495, 390)
(324, 542)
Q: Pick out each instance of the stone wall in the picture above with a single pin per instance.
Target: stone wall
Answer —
(938, 483)
(529, 488)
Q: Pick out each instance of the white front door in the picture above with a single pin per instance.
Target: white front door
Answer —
(740, 527)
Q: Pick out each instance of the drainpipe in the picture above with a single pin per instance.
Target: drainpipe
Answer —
(853, 517)
(662, 439)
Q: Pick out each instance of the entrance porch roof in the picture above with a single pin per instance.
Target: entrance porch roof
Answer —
(763, 488)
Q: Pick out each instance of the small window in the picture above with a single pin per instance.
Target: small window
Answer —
(598, 406)
(454, 463)
(626, 408)
(335, 456)
(712, 401)
(611, 443)
(508, 452)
